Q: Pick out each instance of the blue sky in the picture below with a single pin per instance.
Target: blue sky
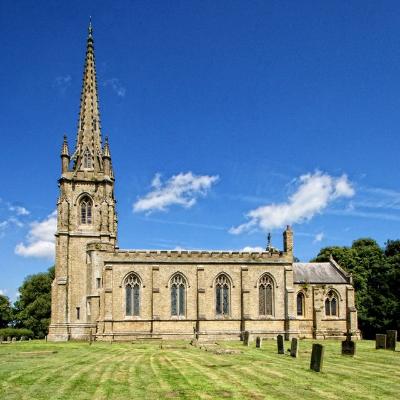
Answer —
(245, 116)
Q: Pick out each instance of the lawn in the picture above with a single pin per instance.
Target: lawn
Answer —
(39, 370)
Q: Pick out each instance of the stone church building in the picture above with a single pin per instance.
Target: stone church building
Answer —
(116, 294)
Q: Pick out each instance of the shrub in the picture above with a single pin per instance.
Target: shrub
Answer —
(17, 333)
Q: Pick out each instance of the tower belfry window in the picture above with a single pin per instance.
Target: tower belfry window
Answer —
(86, 211)
(87, 160)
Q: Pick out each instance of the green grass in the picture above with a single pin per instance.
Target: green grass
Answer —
(38, 370)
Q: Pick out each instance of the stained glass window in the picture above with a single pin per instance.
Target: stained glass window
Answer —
(222, 294)
(300, 304)
(178, 293)
(331, 304)
(265, 295)
(132, 292)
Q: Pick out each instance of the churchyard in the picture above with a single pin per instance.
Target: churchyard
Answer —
(164, 370)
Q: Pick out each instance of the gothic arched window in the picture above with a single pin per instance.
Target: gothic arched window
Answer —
(178, 292)
(132, 295)
(331, 304)
(265, 295)
(86, 210)
(87, 159)
(300, 304)
(222, 295)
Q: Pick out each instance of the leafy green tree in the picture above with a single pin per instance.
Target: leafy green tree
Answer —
(32, 309)
(5, 311)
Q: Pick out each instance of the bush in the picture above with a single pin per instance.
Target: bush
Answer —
(17, 333)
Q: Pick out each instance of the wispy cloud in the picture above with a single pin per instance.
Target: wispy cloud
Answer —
(19, 210)
(62, 83)
(116, 86)
(313, 195)
(251, 249)
(318, 237)
(40, 239)
(182, 189)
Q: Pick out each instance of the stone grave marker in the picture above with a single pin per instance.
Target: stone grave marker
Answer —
(380, 341)
(391, 339)
(14, 339)
(1, 339)
(246, 338)
(317, 357)
(348, 346)
(8, 338)
(258, 342)
(294, 349)
(281, 347)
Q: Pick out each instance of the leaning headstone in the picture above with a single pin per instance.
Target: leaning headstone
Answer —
(317, 357)
(391, 339)
(380, 341)
(258, 342)
(281, 347)
(246, 338)
(294, 349)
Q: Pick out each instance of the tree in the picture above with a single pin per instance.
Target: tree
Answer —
(32, 309)
(5, 311)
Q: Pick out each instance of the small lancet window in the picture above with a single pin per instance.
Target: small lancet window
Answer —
(222, 295)
(86, 211)
(265, 293)
(132, 295)
(87, 160)
(300, 304)
(178, 294)
(331, 304)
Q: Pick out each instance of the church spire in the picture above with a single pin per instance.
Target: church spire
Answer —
(88, 152)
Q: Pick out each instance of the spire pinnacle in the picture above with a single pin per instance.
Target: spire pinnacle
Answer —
(64, 149)
(106, 148)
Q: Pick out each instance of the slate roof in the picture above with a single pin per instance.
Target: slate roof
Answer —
(323, 272)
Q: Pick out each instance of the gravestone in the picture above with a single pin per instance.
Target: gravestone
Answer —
(45, 338)
(14, 339)
(8, 338)
(246, 338)
(391, 339)
(281, 347)
(348, 346)
(380, 341)
(258, 342)
(317, 357)
(294, 349)
(90, 337)
(1, 339)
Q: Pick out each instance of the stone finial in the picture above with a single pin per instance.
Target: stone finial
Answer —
(106, 148)
(64, 149)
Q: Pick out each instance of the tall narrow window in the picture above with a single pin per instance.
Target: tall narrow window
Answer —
(132, 295)
(98, 283)
(178, 292)
(331, 304)
(265, 295)
(87, 160)
(222, 295)
(78, 313)
(86, 211)
(300, 304)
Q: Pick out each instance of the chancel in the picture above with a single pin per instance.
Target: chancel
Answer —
(108, 293)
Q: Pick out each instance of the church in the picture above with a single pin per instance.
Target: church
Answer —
(112, 294)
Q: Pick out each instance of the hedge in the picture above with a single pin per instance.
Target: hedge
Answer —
(17, 333)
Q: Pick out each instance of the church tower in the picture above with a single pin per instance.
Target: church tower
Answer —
(86, 214)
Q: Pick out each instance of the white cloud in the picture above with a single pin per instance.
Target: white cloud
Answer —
(3, 292)
(250, 249)
(182, 189)
(19, 210)
(40, 239)
(318, 237)
(116, 86)
(314, 193)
